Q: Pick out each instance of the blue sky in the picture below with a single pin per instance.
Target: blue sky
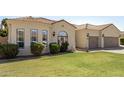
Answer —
(96, 20)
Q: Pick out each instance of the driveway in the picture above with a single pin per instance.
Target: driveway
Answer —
(112, 50)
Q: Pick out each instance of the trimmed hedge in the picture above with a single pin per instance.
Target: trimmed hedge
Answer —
(54, 48)
(64, 47)
(37, 48)
(122, 41)
(9, 50)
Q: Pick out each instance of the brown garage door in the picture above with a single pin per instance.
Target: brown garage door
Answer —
(110, 42)
(93, 42)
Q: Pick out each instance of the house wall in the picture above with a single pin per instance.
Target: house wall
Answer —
(82, 39)
(28, 26)
(76, 38)
(111, 31)
(63, 26)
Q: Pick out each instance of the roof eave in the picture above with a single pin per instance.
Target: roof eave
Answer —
(64, 21)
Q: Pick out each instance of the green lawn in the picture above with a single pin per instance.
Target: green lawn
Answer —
(70, 64)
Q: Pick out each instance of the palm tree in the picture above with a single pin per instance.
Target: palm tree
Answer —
(4, 23)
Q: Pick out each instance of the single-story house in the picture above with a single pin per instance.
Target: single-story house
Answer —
(93, 37)
(24, 30)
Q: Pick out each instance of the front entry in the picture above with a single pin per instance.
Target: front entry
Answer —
(62, 37)
(93, 42)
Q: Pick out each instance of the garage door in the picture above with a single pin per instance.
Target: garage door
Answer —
(110, 42)
(93, 42)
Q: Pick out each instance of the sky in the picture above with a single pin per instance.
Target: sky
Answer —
(118, 21)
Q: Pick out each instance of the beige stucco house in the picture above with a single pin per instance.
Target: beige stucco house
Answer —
(23, 31)
(93, 37)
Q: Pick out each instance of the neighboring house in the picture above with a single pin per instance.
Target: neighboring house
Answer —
(93, 37)
(23, 31)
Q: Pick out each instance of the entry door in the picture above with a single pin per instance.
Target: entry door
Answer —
(62, 39)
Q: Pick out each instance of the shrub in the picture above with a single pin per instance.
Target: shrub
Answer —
(64, 47)
(122, 41)
(9, 50)
(54, 48)
(3, 33)
(37, 48)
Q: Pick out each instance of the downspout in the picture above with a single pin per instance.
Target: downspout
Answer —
(101, 39)
(87, 50)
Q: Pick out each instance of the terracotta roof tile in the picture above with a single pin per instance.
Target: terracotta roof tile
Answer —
(32, 19)
(93, 27)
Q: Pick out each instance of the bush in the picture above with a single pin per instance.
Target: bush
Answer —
(64, 47)
(3, 33)
(54, 48)
(9, 50)
(122, 41)
(37, 48)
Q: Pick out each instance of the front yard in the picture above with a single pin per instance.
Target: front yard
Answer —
(70, 64)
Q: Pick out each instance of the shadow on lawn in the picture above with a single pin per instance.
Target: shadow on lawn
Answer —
(24, 58)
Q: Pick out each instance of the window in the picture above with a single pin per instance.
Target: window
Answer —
(20, 38)
(34, 35)
(45, 36)
(62, 37)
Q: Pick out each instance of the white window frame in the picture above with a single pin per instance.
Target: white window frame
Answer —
(45, 41)
(36, 35)
(17, 37)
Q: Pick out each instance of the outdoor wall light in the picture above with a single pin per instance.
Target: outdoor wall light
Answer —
(87, 34)
(102, 35)
(54, 33)
(119, 35)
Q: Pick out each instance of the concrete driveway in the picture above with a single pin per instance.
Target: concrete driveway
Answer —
(112, 50)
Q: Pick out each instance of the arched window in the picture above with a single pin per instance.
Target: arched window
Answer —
(64, 34)
(62, 37)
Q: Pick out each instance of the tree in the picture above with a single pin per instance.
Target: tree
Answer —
(4, 28)
(4, 23)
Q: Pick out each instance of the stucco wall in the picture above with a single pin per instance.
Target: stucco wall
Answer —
(111, 31)
(82, 39)
(63, 26)
(92, 32)
(28, 26)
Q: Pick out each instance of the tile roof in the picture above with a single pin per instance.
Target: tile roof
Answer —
(33, 19)
(40, 19)
(93, 27)
(48, 21)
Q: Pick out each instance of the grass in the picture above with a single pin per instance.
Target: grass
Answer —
(70, 64)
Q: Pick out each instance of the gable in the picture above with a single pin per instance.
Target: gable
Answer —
(112, 31)
(63, 22)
